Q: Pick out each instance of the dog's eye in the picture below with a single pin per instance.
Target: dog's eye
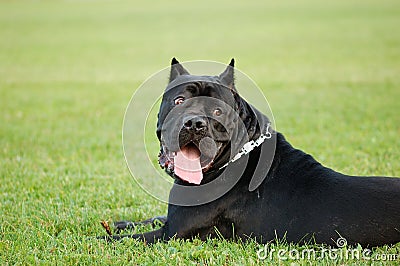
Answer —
(179, 100)
(217, 112)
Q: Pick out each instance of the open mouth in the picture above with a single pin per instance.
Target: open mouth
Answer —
(189, 163)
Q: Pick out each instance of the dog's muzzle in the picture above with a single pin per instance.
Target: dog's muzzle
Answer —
(196, 154)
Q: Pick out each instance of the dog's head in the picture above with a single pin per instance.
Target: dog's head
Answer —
(202, 122)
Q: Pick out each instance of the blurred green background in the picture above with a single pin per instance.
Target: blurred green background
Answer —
(330, 71)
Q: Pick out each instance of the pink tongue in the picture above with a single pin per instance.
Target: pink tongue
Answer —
(187, 164)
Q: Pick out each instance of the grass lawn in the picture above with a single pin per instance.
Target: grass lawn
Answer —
(330, 70)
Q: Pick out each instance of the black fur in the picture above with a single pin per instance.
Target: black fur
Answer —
(299, 200)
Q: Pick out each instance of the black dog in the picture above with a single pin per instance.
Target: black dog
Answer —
(203, 124)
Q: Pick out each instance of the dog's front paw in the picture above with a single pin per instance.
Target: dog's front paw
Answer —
(123, 225)
(128, 225)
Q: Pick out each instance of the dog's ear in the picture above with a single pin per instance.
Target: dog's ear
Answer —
(227, 77)
(176, 70)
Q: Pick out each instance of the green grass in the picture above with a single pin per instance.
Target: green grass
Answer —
(330, 71)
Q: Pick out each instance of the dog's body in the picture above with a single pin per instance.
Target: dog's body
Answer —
(297, 199)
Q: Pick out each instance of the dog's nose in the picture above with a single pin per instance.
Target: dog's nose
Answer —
(195, 123)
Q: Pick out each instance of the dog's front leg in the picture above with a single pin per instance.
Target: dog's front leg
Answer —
(129, 225)
(148, 237)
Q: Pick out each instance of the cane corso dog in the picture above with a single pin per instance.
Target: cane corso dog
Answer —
(262, 188)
